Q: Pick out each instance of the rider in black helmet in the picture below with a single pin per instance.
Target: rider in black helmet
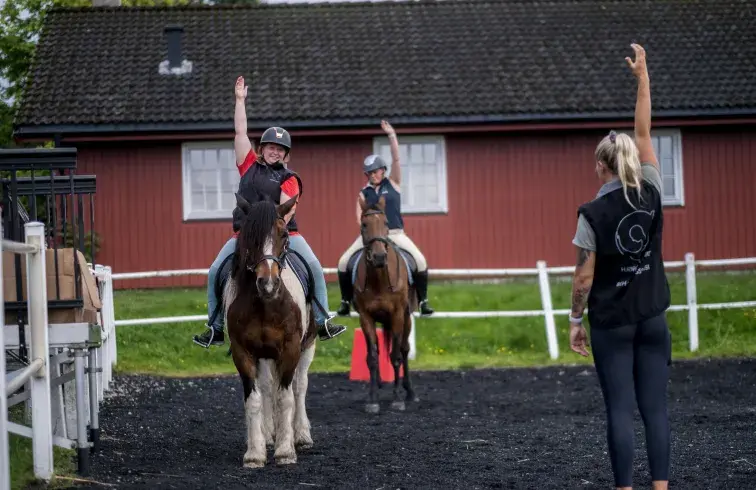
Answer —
(265, 174)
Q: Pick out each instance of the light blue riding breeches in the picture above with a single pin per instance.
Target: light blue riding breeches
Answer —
(296, 243)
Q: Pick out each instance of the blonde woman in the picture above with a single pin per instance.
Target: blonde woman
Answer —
(379, 185)
(620, 273)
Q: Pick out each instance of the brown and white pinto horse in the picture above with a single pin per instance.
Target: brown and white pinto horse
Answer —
(383, 294)
(272, 332)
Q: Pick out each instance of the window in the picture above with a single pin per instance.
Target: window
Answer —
(210, 178)
(423, 160)
(668, 149)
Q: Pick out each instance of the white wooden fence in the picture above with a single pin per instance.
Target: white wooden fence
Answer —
(541, 271)
(38, 370)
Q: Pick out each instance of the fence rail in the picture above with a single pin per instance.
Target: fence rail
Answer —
(38, 370)
(541, 271)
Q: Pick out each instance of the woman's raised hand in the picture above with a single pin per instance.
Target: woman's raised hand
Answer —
(638, 66)
(387, 128)
(240, 89)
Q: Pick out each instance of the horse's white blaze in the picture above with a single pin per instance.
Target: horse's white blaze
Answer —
(268, 250)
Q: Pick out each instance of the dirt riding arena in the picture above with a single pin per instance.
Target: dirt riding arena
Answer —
(517, 428)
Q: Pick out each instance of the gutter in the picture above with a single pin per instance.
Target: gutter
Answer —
(62, 130)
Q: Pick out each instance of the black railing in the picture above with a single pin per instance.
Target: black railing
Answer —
(55, 200)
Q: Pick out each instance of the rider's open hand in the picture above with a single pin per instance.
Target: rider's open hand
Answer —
(638, 66)
(578, 340)
(240, 89)
(388, 128)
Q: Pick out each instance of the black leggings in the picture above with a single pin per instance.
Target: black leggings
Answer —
(635, 356)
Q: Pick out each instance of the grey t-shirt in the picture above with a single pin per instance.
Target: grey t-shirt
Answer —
(584, 235)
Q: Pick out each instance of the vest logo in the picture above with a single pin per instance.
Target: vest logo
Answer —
(631, 235)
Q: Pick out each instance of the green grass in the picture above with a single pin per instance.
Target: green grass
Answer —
(167, 349)
(21, 461)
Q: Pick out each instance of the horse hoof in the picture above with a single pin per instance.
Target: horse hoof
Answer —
(253, 463)
(289, 459)
(372, 408)
(304, 443)
(398, 405)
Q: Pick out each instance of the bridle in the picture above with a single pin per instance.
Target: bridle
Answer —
(279, 259)
(382, 239)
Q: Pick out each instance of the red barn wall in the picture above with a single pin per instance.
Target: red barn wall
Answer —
(512, 201)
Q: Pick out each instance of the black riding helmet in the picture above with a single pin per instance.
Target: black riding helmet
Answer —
(278, 136)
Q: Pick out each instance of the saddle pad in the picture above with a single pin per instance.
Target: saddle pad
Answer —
(358, 254)
(303, 273)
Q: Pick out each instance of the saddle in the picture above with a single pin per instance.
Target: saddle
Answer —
(293, 260)
(408, 261)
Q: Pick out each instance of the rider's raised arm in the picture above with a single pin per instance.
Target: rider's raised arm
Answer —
(642, 107)
(396, 170)
(242, 145)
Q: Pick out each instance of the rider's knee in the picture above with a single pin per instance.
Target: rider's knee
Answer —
(422, 264)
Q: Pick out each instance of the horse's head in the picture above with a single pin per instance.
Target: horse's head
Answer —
(263, 242)
(374, 229)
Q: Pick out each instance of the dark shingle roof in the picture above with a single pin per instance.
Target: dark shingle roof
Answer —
(343, 63)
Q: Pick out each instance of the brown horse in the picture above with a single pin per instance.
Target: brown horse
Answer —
(272, 332)
(383, 294)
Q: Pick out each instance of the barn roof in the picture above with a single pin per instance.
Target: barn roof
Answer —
(423, 62)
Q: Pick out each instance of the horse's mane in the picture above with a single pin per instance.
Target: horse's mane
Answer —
(256, 227)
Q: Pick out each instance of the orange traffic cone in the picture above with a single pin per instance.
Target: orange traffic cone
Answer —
(359, 370)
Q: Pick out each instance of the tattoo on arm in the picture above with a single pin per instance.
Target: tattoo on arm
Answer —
(582, 257)
(581, 285)
(579, 299)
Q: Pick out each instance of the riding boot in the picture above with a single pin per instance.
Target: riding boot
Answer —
(421, 286)
(345, 283)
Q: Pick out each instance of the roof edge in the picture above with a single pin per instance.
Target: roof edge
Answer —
(26, 131)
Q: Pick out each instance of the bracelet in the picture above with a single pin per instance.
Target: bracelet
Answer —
(576, 321)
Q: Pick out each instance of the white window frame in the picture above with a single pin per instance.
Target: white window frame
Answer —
(677, 161)
(408, 206)
(188, 213)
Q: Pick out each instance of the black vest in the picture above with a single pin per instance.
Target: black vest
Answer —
(629, 283)
(264, 180)
(393, 202)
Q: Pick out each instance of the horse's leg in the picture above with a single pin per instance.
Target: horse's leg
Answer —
(265, 384)
(397, 334)
(302, 437)
(411, 397)
(255, 457)
(283, 417)
(371, 343)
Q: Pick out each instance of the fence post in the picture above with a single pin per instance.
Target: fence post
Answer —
(36, 286)
(412, 341)
(4, 443)
(690, 285)
(548, 310)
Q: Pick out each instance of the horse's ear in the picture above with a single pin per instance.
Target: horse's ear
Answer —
(363, 204)
(242, 203)
(382, 203)
(284, 208)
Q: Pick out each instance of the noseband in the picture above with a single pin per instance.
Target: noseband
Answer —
(280, 259)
